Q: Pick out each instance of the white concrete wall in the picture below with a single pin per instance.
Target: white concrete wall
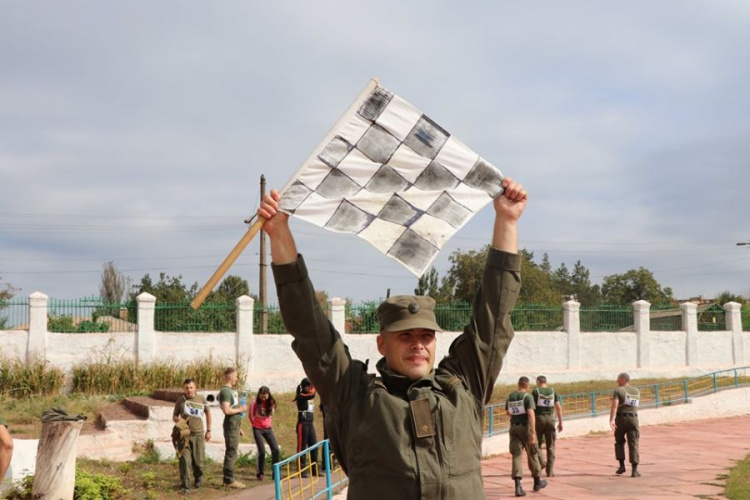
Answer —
(715, 348)
(667, 348)
(568, 355)
(13, 343)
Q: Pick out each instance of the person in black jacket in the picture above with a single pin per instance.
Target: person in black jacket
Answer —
(306, 436)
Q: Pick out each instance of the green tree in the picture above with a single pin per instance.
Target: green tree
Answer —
(537, 285)
(428, 284)
(635, 284)
(6, 293)
(167, 288)
(727, 296)
(581, 287)
(465, 274)
(113, 285)
(229, 289)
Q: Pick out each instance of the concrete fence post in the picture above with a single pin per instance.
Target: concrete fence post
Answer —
(690, 325)
(36, 344)
(734, 323)
(244, 338)
(642, 326)
(572, 325)
(337, 314)
(145, 340)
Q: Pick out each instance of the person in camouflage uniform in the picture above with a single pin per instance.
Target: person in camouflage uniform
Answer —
(547, 404)
(623, 419)
(415, 431)
(521, 408)
(191, 408)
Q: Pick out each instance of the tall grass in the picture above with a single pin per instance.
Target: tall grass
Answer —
(19, 379)
(125, 377)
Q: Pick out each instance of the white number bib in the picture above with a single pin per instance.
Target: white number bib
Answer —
(516, 407)
(632, 400)
(310, 406)
(546, 401)
(193, 409)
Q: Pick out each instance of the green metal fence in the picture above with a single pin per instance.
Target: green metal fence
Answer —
(712, 319)
(90, 314)
(666, 318)
(209, 317)
(273, 321)
(745, 315)
(537, 318)
(606, 318)
(14, 314)
(591, 404)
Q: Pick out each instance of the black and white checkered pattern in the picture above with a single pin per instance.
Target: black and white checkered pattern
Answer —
(395, 178)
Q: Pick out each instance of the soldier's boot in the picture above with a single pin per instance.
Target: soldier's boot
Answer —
(622, 467)
(519, 489)
(539, 483)
(635, 472)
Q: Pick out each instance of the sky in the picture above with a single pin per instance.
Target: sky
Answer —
(136, 132)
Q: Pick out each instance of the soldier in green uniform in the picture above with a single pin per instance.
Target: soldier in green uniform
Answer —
(547, 404)
(520, 407)
(415, 431)
(623, 418)
(6, 449)
(229, 402)
(192, 407)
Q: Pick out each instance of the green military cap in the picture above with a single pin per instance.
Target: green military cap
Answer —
(405, 312)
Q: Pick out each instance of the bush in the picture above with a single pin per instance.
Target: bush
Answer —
(108, 376)
(20, 380)
(96, 486)
(87, 487)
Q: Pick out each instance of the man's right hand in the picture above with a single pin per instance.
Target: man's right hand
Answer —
(269, 210)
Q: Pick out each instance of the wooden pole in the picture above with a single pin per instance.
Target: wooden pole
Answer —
(224, 267)
(55, 474)
(262, 290)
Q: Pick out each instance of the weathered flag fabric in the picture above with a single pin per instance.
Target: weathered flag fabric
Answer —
(394, 177)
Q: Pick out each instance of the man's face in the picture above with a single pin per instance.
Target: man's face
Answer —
(621, 381)
(410, 353)
(232, 379)
(189, 390)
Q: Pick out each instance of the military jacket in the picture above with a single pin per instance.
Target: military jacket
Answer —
(519, 411)
(192, 410)
(545, 399)
(397, 438)
(628, 398)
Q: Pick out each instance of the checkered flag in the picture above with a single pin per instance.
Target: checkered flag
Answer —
(391, 175)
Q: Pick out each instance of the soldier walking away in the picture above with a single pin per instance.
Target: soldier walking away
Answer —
(547, 404)
(520, 407)
(414, 431)
(229, 402)
(623, 419)
(306, 435)
(191, 408)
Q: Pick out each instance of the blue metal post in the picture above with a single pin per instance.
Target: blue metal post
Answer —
(277, 480)
(327, 462)
(685, 387)
(593, 404)
(492, 418)
(715, 386)
(656, 394)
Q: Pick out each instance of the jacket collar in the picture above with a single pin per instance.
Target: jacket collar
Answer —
(398, 385)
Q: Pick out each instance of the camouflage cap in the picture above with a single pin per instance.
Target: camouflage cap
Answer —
(404, 312)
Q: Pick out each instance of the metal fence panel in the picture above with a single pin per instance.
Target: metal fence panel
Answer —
(90, 315)
(14, 314)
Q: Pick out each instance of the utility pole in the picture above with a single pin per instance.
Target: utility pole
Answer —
(262, 296)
